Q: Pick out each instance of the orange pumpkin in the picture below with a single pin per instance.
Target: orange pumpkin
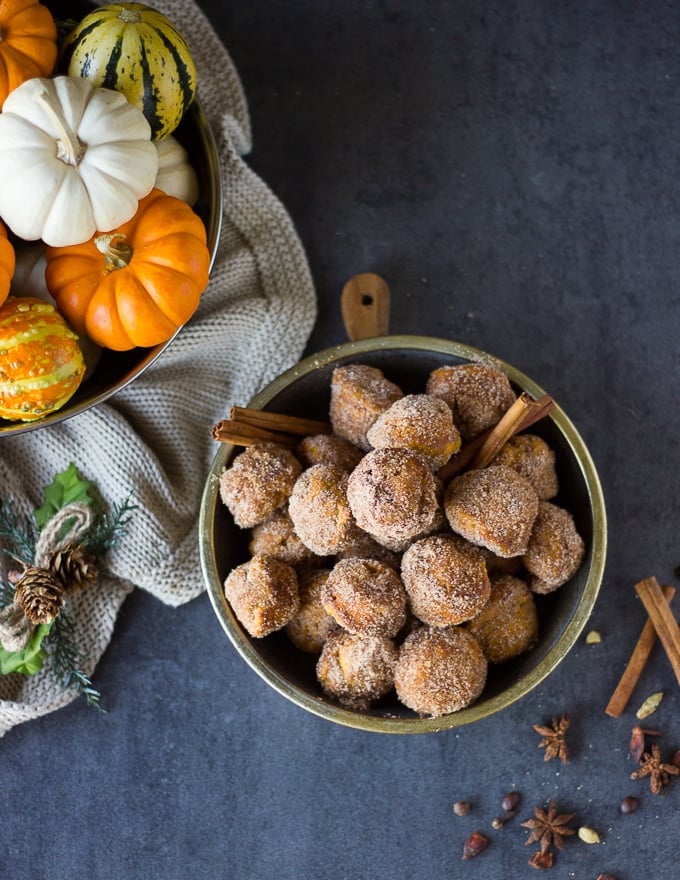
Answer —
(28, 43)
(7, 264)
(41, 364)
(136, 285)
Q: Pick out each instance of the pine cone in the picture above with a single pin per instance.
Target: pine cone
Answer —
(74, 568)
(39, 594)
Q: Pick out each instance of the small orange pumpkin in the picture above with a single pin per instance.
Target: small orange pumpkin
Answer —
(28, 43)
(7, 264)
(137, 285)
(41, 364)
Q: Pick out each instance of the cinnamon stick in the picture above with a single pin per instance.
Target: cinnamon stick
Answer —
(241, 434)
(524, 411)
(275, 421)
(482, 449)
(638, 660)
(664, 622)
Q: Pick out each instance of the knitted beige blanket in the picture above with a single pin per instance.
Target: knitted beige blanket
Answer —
(153, 438)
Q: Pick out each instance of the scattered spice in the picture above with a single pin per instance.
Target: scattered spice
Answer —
(665, 624)
(593, 637)
(651, 704)
(553, 740)
(659, 773)
(606, 877)
(549, 827)
(500, 821)
(542, 859)
(474, 845)
(589, 835)
(629, 804)
(637, 740)
(636, 664)
(511, 801)
(461, 808)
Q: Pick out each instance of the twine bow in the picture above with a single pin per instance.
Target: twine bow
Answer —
(65, 530)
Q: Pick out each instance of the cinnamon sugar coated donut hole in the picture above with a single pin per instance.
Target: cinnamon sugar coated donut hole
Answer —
(328, 449)
(392, 494)
(531, 456)
(445, 579)
(359, 394)
(311, 625)
(507, 626)
(421, 423)
(319, 509)
(365, 597)
(439, 671)
(258, 482)
(477, 394)
(495, 507)
(555, 550)
(263, 594)
(276, 537)
(356, 670)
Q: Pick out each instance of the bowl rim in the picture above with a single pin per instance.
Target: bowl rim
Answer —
(417, 724)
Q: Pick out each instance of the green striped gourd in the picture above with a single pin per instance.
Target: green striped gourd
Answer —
(41, 364)
(138, 51)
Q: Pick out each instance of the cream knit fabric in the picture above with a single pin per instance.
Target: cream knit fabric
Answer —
(153, 438)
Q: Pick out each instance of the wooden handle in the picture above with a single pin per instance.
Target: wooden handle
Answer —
(365, 304)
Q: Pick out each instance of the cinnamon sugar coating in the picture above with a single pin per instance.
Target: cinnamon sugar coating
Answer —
(276, 537)
(477, 394)
(507, 626)
(362, 546)
(365, 597)
(392, 494)
(532, 457)
(494, 507)
(359, 394)
(419, 422)
(439, 671)
(328, 449)
(446, 580)
(319, 510)
(311, 625)
(555, 550)
(263, 594)
(356, 670)
(258, 482)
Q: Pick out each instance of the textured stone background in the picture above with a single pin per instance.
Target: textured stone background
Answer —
(511, 168)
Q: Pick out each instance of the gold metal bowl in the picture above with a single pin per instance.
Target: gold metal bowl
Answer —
(115, 370)
(408, 360)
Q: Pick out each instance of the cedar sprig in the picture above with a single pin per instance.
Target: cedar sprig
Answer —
(18, 532)
(108, 528)
(66, 659)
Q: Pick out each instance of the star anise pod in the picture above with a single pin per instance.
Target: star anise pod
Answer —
(553, 739)
(659, 773)
(549, 827)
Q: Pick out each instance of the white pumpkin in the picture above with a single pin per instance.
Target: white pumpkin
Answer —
(75, 160)
(176, 176)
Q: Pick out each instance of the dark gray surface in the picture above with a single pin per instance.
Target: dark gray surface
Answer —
(512, 170)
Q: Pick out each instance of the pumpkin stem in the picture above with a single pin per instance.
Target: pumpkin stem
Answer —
(69, 148)
(129, 16)
(116, 250)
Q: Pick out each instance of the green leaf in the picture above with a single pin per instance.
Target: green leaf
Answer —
(31, 659)
(67, 487)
